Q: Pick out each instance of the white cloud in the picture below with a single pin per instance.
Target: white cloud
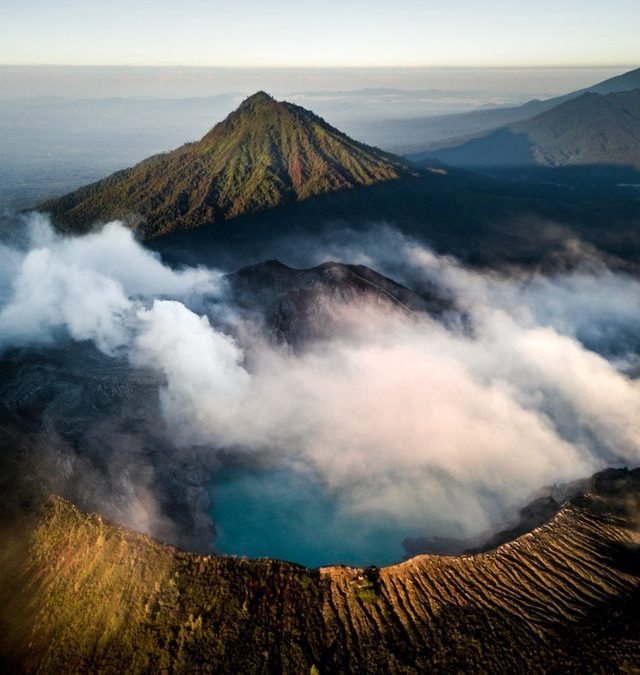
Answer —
(399, 416)
(87, 286)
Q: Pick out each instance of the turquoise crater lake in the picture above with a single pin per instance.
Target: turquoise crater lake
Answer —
(289, 515)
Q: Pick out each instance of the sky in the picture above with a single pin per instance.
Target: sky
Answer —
(332, 33)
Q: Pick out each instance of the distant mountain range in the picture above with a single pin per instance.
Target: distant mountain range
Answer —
(590, 129)
(447, 130)
(264, 154)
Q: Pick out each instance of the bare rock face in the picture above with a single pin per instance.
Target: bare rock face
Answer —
(298, 305)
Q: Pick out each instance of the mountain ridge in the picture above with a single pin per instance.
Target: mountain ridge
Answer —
(453, 130)
(296, 305)
(591, 129)
(566, 593)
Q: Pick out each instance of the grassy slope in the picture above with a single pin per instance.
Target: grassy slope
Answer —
(264, 154)
(565, 596)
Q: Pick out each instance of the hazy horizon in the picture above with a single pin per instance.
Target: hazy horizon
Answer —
(514, 83)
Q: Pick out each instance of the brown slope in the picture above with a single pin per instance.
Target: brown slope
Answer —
(562, 598)
(263, 154)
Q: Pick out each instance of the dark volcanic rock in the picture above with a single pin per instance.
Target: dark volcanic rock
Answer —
(297, 305)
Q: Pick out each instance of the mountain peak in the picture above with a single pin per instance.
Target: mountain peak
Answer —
(264, 154)
(259, 99)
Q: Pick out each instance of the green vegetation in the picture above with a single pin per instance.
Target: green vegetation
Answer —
(264, 154)
(367, 593)
(367, 584)
(93, 597)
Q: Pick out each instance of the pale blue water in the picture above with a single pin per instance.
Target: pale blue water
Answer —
(281, 513)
